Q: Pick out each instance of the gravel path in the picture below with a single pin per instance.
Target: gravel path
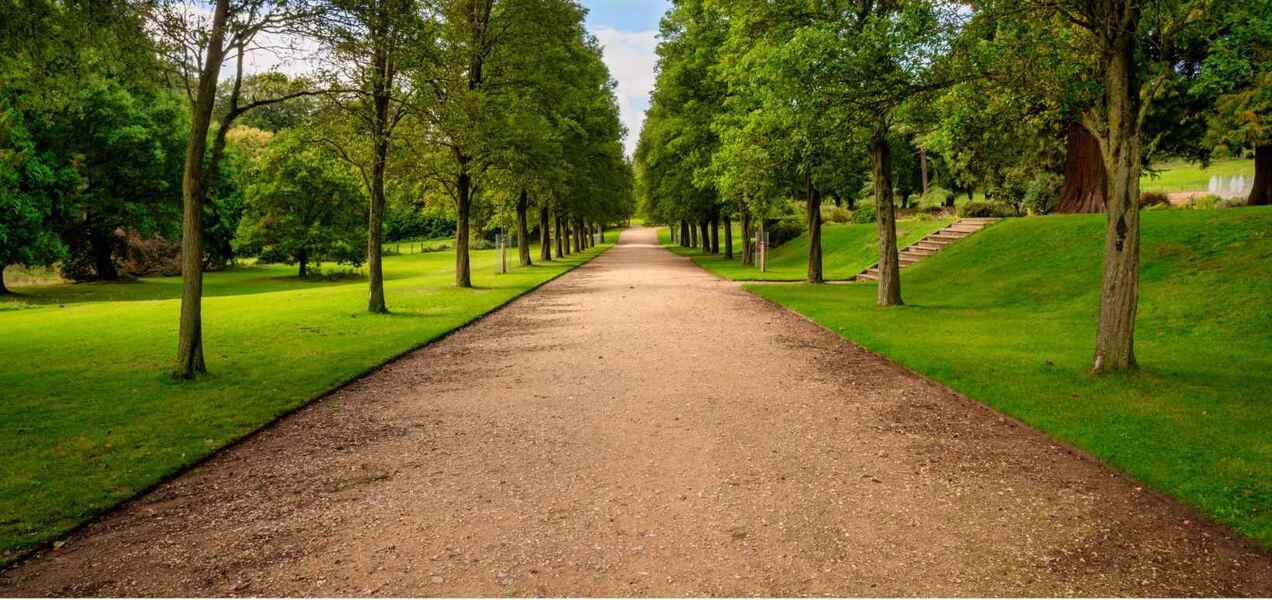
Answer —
(639, 427)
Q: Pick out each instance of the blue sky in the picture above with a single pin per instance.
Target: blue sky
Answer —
(628, 29)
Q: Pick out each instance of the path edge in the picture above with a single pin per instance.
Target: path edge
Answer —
(1242, 541)
(38, 550)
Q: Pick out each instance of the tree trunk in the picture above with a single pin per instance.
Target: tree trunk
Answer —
(190, 361)
(545, 236)
(523, 229)
(600, 231)
(1086, 182)
(578, 235)
(304, 265)
(103, 248)
(704, 235)
(715, 234)
(885, 215)
(1261, 190)
(814, 233)
(761, 244)
(560, 237)
(747, 257)
(693, 236)
(923, 169)
(1119, 293)
(463, 276)
(728, 237)
(4, 291)
(684, 234)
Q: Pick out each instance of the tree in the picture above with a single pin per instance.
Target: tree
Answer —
(304, 206)
(370, 43)
(197, 44)
(30, 184)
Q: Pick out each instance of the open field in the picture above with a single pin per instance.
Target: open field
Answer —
(89, 416)
(847, 249)
(1188, 177)
(1008, 317)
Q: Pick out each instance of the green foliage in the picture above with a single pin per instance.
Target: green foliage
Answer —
(304, 205)
(864, 215)
(985, 209)
(1042, 193)
(1013, 333)
(31, 185)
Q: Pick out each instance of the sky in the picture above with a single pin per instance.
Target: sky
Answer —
(628, 29)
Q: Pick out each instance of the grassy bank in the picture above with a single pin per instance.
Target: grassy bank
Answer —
(1008, 317)
(88, 415)
(847, 249)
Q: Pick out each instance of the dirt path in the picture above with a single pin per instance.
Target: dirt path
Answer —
(639, 427)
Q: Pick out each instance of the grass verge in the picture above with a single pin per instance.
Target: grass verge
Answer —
(1008, 317)
(89, 417)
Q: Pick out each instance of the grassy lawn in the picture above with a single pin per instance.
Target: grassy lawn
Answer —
(1008, 317)
(88, 416)
(846, 251)
(1188, 177)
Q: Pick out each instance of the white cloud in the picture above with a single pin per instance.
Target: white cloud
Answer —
(631, 60)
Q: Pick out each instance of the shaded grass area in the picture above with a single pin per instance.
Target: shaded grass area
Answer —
(1188, 177)
(88, 416)
(1008, 317)
(847, 249)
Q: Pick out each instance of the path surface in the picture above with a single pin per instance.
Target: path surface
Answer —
(639, 427)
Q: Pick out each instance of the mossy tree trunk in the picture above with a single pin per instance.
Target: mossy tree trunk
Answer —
(1120, 146)
(889, 293)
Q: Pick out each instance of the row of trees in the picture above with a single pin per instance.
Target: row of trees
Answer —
(759, 103)
(143, 116)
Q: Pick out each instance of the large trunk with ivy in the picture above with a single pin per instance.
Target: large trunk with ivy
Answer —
(889, 292)
(1085, 179)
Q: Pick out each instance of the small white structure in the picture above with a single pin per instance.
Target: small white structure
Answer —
(1236, 186)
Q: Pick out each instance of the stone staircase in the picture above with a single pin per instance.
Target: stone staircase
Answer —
(931, 244)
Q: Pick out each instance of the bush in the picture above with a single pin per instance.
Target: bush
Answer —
(837, 214)
(1042, 193)
(1150, 199)
(864, 215)
(155, 256)
(985, 209)
(784, 231)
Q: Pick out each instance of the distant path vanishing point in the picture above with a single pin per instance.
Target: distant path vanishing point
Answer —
(640, 427)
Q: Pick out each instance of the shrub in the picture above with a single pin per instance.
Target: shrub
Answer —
(985, 209)
(784, 230)
(837, 214)
(1149, 199)
(1042, 193)
(864, 215)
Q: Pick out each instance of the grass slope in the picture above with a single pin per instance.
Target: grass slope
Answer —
(1008, 317)
(847, 249)
(88, 417)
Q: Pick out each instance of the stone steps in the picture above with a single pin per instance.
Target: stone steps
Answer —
(931, 244)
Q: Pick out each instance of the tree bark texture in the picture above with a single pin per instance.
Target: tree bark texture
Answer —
(728, 237)
(747, 257)
(1261, 191)
(684, 234)
(545, 235)
(1119, 293)
(704, 227)
(1085, 181)
(523, 229)
(102, 244)
(715, 234)
(889, 293)
(190, 361)
(560, 237)
(814, 233)
(463, 276)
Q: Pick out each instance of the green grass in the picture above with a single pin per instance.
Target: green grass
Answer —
(1008, 317)
(89, 417)
(847, 250)
(1188, 177)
